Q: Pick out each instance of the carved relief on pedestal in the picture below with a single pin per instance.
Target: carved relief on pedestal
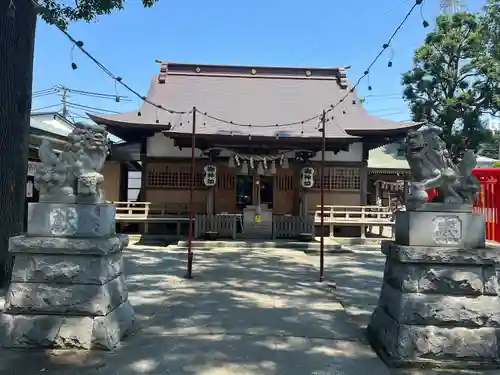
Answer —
(63, 221)
(447, 230)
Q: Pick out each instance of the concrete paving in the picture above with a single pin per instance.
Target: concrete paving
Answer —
(358, 278)
(245, 312)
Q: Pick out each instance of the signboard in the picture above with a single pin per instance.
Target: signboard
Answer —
(29, 189)
(32, 167)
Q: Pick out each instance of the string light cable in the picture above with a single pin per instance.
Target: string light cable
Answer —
(385, 46)
(80, 45)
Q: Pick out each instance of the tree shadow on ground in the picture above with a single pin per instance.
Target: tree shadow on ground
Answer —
(245, 312)
(358, 277)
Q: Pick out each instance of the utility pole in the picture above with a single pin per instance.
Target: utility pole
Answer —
(64, 101)
(189, 273)
(322, 200)
(453, 6)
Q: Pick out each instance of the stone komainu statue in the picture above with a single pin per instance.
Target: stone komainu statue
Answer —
(73, 175)
(431, 167)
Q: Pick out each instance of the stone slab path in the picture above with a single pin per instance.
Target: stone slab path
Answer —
(245, 312)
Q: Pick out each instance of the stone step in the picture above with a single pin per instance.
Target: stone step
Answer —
(307, 247)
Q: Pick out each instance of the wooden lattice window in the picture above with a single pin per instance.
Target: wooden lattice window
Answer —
(225, 180)
(338, 178)
(172, 176)
(284, 182)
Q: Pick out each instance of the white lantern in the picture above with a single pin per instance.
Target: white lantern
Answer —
(210, 175)
(307, 177)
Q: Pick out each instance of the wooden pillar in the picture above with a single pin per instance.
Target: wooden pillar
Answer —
(305, 204)
(210, 204)
(144, 175)
(122, 196)
(363, 174)
(377, 190)
(363, 181)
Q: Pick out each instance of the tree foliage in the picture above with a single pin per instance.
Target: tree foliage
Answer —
(454, 81)
(17, 36)
(61, 13)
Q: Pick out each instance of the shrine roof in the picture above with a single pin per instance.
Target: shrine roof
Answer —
(251, 95)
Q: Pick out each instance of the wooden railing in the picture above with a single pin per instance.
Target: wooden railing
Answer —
(130, 211)
(363, 216)
(147, 213)
(287, 226)
(225, 225)
(349, 214)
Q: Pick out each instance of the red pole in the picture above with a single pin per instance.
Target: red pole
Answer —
(322, 201)
(189, 274)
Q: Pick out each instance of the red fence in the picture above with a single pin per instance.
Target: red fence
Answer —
(488, 202)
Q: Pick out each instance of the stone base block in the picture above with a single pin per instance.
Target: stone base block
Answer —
(441, 255)
(66, 269)
(63, 332)
(402, 345)
(74, 299)
(444, 229)
(67, 246)
(439, 306)
(441, 310)
(71, 220)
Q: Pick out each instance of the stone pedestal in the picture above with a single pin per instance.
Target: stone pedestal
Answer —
(439, 304)
(68, 288)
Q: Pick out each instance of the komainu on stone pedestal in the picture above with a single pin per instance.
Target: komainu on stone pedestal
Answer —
(68, 287)
(439, 305)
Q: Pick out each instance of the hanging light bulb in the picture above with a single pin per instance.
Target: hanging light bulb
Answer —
(201, 118)
(78, 44)
(389, 64)
(425, 24)
(244, 168)
(231, 162)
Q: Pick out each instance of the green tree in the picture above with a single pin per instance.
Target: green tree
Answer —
(17, 38)
(453, 82)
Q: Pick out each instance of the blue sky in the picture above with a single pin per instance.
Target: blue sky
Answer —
(262, 32)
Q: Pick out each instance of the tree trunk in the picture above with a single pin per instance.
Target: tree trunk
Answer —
(17, 39)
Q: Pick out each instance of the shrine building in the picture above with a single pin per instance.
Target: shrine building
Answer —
(257, 137)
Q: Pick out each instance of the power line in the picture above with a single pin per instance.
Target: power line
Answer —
(46, 107)
(391, 114)
(41, 93)
(117, 79)
(115, 97)
(60, 88)
(86, 107)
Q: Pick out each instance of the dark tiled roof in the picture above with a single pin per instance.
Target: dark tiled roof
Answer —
(253, 95)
